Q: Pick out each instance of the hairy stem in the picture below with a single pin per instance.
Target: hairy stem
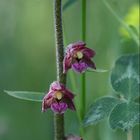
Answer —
(59, 126)
(59, 118)
(129, 135)
(83, 96)
(59, 41)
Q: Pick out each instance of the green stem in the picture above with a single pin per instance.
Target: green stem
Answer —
(83, 95)
(129, 135)
(84, 20)
(73, 84)
(59, 118)
(58, 125)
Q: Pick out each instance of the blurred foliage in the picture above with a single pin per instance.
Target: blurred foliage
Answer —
(27, 62)
(132, 19)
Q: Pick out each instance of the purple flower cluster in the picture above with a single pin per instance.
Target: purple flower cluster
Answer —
(78, 57)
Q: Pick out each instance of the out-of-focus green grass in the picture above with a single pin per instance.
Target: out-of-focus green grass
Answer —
(27, 62)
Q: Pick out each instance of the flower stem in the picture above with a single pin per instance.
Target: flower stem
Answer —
(129, 135)
(74, 86)
(84, 20)
(58, 124)
(59, 118)
(83, 95)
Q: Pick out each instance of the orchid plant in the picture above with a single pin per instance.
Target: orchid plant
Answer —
(78, 57)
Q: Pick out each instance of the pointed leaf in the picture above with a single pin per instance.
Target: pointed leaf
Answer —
(125, 116)
(125, 76)
(26, 95)
(100, 109)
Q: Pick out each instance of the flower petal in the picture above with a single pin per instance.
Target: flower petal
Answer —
(50, 94)
(67, 63)
(79, 66)
(59, 107)
(75, 46)
(55, 86)
(90, 63)
(88, 52)
(47, 103)
(68, 93)
(71, 105)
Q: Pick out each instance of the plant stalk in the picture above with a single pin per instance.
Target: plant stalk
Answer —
(83, 95)
(59, 118)
(129, 135)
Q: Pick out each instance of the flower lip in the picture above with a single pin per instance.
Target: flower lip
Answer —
(79, 67)
(59, 107)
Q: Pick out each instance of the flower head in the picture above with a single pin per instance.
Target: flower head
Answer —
(59, 98)
(78, 57)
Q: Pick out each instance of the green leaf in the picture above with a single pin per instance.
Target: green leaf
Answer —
(96, 70)
(125, 116)
(68, 3)
(100, 109)
(26, 95)
(125, 77)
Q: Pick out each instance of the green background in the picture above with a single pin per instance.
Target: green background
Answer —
(27, 62)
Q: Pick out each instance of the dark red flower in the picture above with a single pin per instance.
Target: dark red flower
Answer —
(78, 57)
(59, 98)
